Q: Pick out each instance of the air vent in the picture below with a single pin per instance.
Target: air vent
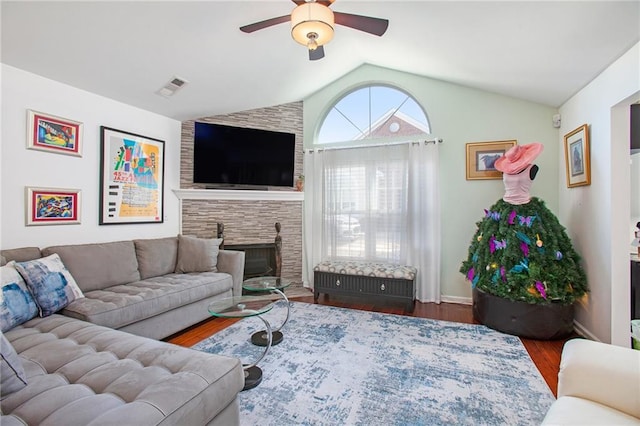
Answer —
(172, 87)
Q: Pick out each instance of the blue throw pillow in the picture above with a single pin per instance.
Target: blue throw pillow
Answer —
(16, 303)
(50, 282)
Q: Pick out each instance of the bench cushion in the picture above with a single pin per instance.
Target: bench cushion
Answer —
(370, 269)
(122, 305)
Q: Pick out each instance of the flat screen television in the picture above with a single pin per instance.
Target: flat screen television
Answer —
(227, 156)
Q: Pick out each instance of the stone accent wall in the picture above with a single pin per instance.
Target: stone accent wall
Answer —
(248, 222)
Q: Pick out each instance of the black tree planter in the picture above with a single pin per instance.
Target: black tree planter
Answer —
(541, 322)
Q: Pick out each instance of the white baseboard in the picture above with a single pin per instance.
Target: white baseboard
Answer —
(581, 330)
(456, 299)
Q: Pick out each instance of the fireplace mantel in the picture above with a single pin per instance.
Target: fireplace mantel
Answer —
(237, 194)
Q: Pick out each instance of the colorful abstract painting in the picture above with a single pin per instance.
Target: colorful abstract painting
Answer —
(54, 134)
(132, 179)
(52, 206)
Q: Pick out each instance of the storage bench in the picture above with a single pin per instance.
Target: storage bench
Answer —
(381, 280)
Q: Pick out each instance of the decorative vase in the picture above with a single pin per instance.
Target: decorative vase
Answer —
(534, 321)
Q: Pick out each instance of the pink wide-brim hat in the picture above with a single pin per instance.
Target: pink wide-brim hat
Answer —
(518, 158)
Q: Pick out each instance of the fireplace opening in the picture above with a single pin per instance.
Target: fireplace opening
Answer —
(261, 259)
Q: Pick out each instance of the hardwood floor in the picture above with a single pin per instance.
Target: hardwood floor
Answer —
(545, 354)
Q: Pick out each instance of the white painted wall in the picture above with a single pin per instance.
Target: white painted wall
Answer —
(597, 216)
(20, 167)
(459, 115)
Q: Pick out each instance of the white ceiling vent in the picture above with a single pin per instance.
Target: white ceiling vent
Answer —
(172, 87)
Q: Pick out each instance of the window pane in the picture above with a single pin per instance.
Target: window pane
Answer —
(373, 112)
(365, 208)
(336, 128)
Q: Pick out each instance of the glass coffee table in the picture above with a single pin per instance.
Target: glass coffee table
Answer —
(243, 307)
(270, 285)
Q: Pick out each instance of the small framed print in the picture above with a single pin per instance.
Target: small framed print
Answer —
(577, 157)
(481, 158)
(52, 206)
(50, 133)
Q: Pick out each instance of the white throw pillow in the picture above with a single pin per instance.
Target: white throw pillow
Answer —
(50, 283)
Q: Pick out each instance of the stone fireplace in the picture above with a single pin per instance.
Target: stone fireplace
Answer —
(248, 222)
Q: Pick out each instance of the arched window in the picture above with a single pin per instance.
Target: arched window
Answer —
(373, 112)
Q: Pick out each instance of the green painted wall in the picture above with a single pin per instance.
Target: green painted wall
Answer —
(459, 115)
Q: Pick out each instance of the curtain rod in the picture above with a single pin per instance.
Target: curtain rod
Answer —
(434, 141)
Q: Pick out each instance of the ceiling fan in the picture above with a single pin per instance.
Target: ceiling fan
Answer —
(312, 23)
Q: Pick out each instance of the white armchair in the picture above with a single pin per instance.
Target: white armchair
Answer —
(598, 384)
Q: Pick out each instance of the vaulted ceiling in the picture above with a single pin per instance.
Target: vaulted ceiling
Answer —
(541, 51)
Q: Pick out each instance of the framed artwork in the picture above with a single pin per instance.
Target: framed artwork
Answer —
(47, 132)
(131, 178)
(52, 206)
(577, 157)
(481, 157)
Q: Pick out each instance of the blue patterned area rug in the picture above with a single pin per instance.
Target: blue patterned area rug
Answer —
(340, 366)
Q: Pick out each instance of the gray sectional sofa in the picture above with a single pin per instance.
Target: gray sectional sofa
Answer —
(97, 361)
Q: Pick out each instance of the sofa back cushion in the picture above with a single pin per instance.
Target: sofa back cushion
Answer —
(197, 254)
(98, 266)
(156, 256)
(20, 254)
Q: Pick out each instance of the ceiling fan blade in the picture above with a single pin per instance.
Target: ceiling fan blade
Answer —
(314, 55)
(264, 24)
(375, 26)
(324, 2)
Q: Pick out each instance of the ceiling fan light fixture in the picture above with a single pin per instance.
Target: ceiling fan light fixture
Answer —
(312, 44)
(312, 25)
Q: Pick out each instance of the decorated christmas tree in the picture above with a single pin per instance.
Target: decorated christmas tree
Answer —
(520, 251)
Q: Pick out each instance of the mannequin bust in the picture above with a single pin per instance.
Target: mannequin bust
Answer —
(533, 171)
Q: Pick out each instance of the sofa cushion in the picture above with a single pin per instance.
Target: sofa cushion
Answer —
(97, 266)
(197, 254)
(156, 256)
(21, 254)
(16, 303)
(122, 305)
(50, 282)
(79, 373)
(569, 410)
(11, 370)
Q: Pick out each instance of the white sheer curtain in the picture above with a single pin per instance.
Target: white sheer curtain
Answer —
(424, 219)
(312, 216)
(378, 203)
